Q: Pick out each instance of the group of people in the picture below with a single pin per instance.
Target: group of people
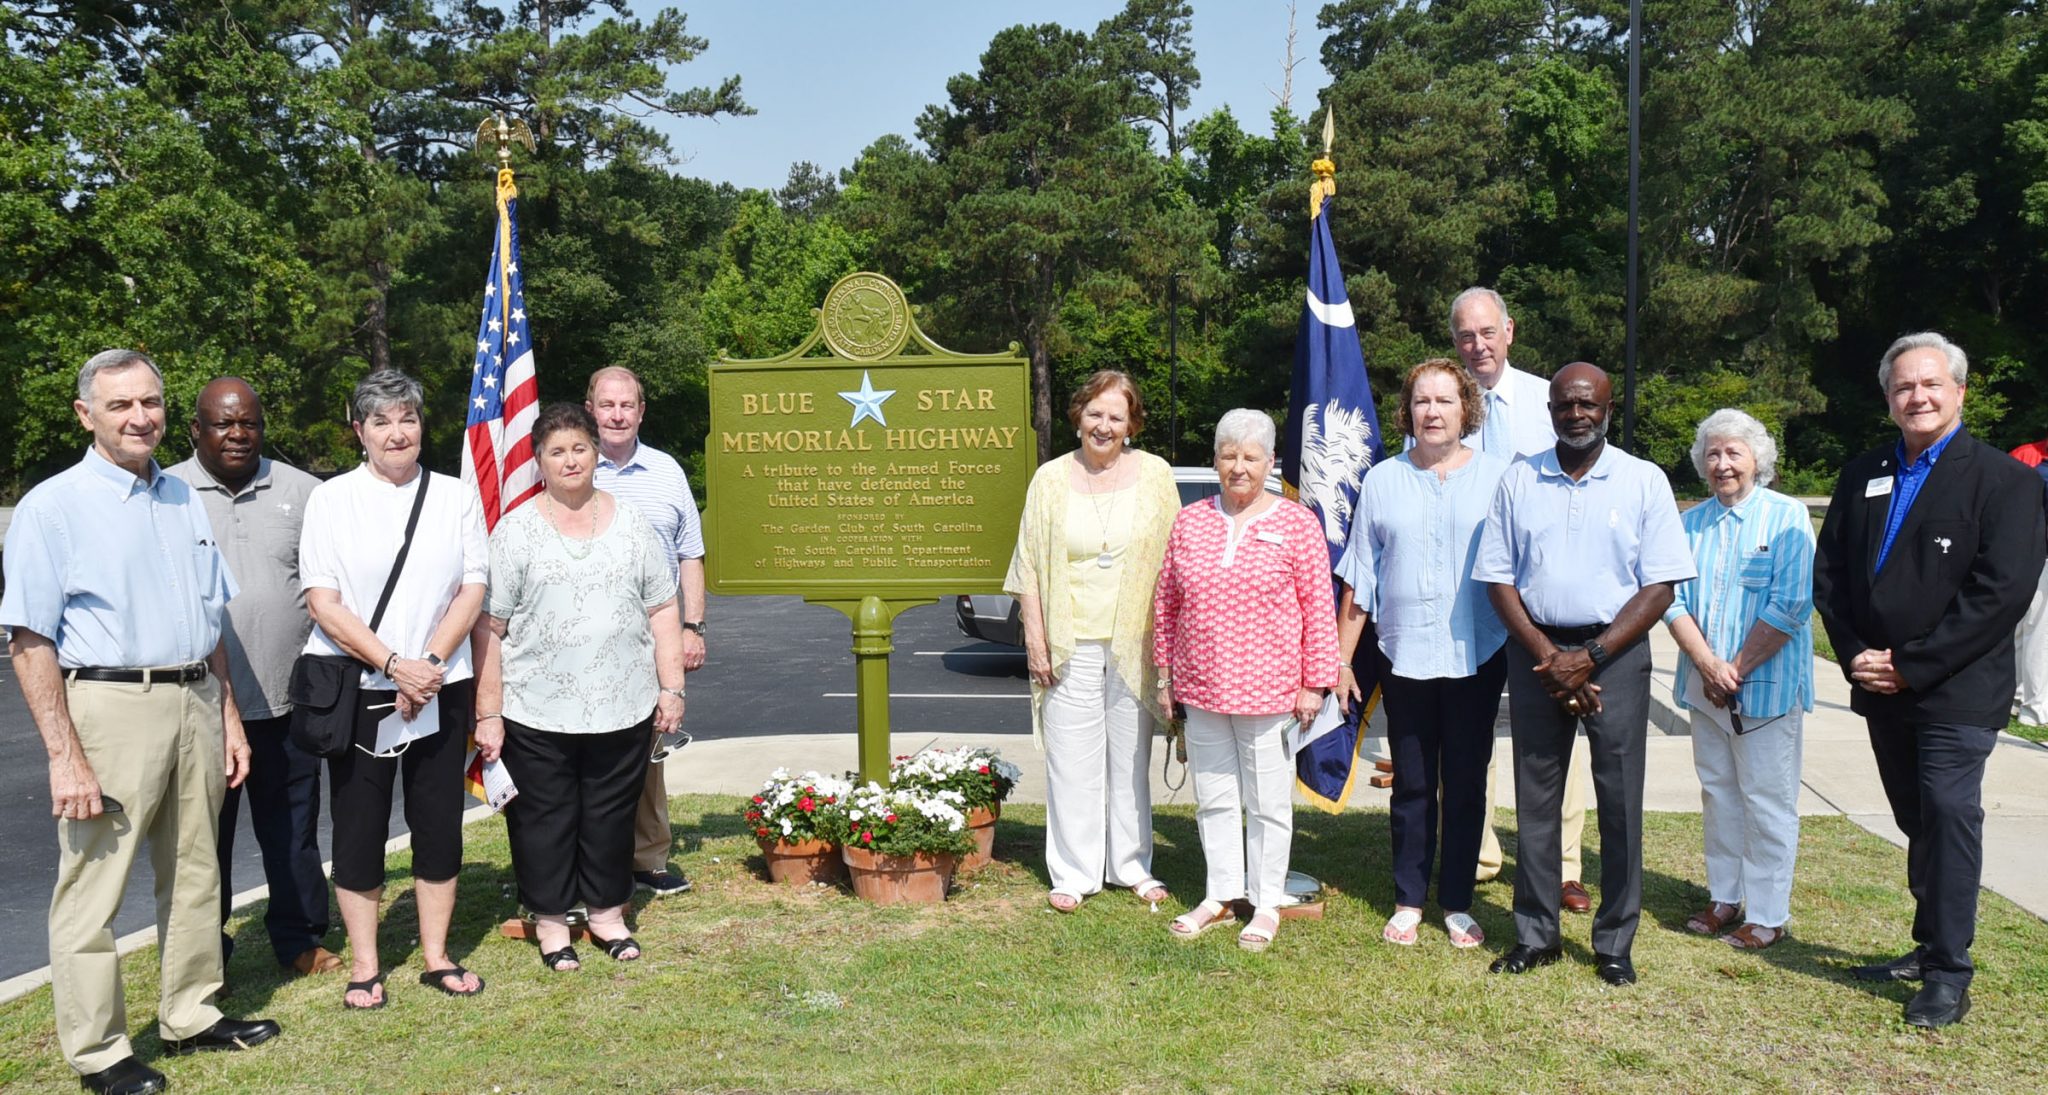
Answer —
(1508, 546)
(155, 617)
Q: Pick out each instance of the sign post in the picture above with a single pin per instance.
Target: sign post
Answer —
(869, 469)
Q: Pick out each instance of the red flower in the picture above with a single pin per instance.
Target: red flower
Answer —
(891, 819)
(866, 837)
(983, 769)
(760, 832)
(810, 790)
(805, 804)
(758, 800)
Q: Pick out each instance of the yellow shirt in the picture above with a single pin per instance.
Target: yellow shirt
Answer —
(1097, 525)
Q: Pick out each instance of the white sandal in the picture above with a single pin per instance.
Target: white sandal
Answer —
(1199, 919)
(1258, 935)
(1401, 927)
(1463, 930)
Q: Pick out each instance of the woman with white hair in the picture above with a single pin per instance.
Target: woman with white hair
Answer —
(1246, 638)
(1745, 673)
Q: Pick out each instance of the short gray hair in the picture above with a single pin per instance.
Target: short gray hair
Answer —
(382, 389)
(1733, 425)
(112, 361)
(1245, 425)
(1475, 293)
(1958, 362)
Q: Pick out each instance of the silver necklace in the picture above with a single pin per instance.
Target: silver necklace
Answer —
(568, 544)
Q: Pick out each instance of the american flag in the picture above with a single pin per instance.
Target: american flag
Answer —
(504, 396)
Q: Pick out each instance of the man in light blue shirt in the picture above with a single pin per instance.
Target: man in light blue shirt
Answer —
(655, 485)
(1517, 425)
(115, 596)
(1582, 547)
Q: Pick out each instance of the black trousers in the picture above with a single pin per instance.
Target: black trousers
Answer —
(431, 768)
(1440, 733)
(1933, 776)
(571, 827)
(1543, 733)
(284, 813)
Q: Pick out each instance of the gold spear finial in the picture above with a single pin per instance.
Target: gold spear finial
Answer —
(1325, 169)
(503, 132)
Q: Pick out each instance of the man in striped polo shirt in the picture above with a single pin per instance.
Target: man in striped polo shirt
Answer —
(654, 484)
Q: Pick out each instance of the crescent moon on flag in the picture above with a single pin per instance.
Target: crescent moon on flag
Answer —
(1334, 315)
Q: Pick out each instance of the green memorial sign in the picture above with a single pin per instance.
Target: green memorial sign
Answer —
(869, 469)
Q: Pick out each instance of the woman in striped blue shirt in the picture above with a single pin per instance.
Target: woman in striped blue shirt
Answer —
(1746, 675)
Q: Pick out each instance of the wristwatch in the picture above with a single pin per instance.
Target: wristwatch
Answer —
(697, 627)
(433, 659)
(1596, 652)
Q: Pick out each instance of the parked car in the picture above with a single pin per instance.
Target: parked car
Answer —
(992, 617)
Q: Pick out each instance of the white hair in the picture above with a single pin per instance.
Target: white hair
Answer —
(381, 389)
(1730, 424)
(1958, 362)
(1477, 292)
(1243, 426)
(112, 361)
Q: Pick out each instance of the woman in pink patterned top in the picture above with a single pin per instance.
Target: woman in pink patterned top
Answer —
(1246, 638)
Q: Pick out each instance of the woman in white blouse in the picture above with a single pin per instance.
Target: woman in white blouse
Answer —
(416, 687)
(580, 665)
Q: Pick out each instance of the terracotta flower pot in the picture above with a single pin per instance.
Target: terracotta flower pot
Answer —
(803, 862)
(982, 823)
(899, 879)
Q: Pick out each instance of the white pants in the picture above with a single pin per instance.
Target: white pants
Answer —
(1237, 757)
(1749, 806)
(2031, 705)
(1098, 792)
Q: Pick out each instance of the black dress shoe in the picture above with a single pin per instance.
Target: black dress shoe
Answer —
(128, 1076)
(1615, 969)
(226, 1034)
(1938, 1004)
(1905, 967)
(1521, 958)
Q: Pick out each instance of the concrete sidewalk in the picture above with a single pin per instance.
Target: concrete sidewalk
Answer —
(1840, 776)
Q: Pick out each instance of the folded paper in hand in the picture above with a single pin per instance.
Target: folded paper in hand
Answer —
(490, 782)
(1329, 718)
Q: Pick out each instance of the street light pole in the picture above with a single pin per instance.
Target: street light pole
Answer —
(1173, 368)
(1635, 186)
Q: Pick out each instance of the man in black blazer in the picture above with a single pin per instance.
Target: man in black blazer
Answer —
(1926, 562)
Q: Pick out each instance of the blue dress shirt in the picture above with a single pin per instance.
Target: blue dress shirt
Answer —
(1578, 550)
(1906, 486)
(118, 572)
(655, 484)
(1411, 550)
(1755, 560)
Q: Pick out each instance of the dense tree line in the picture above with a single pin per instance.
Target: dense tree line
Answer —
(290, 192)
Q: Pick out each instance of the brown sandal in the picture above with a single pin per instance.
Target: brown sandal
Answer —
(1753, 937)
(1713, 918)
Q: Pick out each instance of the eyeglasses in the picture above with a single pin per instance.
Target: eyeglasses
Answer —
(668, 744)
(111, 805)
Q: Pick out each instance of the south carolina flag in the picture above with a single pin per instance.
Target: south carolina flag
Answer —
(1333, 439)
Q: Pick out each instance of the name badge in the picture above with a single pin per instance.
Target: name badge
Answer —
(1878, 487)
(1272, 538)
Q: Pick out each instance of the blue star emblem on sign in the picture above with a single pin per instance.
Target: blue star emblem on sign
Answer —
(867, 403)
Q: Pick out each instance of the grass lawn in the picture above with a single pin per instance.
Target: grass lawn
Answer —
(752, 987)
(2028, 731)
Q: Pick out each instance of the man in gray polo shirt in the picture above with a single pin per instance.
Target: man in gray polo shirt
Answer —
(256, 505)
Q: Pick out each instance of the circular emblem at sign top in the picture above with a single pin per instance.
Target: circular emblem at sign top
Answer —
(865, 317)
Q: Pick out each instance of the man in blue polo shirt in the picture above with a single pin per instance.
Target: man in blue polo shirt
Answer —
(654, 484)
(115, 596)
(1583, 549)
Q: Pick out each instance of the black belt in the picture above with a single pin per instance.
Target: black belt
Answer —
(176, 674)
(1572, 634)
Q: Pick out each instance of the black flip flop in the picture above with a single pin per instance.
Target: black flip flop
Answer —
(438, 979)
(554, 960)
(612, 947)
(365, 986)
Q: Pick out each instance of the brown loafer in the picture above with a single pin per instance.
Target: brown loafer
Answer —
(317, 960)
(1576, 899)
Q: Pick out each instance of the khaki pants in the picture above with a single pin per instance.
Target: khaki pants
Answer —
(158, 750)
(1576, 779)
(652, 839)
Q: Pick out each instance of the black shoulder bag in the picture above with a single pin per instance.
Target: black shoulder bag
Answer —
(324, 687)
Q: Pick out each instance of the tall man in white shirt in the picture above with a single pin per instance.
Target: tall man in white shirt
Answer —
(656, 486)
(1517, 425)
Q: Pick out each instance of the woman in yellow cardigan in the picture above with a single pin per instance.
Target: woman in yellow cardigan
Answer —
(1088, 551)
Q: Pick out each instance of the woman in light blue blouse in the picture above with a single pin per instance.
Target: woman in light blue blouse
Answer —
(1408, 571)
(1745, 671)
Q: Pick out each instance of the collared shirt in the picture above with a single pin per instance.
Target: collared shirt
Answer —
(1578, 550)
(258, 528)
(1517, 422)
(1409, 562)
(1755, 560)
(119, 572)
(1906, 484)
(655, 484)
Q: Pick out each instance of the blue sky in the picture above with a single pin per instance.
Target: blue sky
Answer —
(828, 78)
